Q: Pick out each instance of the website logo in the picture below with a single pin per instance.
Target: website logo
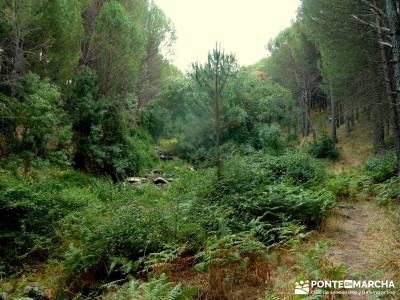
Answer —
(302, 288)
(345, 287)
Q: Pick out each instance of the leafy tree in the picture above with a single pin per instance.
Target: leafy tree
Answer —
(159, 38)
(39, 127)
(62, 28)
(18, 46)
(119, 48)
(104, 139)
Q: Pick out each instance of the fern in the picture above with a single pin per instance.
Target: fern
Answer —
(155, 289)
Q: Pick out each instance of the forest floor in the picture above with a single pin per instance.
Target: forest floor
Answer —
(361, 239)
(353, 148)
(359, 242)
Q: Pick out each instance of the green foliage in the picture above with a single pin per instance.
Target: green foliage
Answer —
(220, 251)
(35, 123)
(120, 47)
(381, 167)
(122, 41)
(131, 224)
(31, 208)
(344, 185)
(255, 189)
(271, 138)
(388, 190)
(63, 27)
(105, 142)
(297, 167)
(155, 289)
(256, 113)
(324, 148)
(315, 264)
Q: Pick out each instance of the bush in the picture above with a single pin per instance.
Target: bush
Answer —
(271, 138)
(253, 188)
(344, 185)
(381, 168)
(31, 208)
(276, 204)
(389, 190)
(109, 230)
(108, 140)
(297, 167)
(156, 288)
(130, 224)
(324, 148)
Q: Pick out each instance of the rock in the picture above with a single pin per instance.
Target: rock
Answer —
(160, 181)
(302, 236)
(166, 156)
(34, 292)
(136, 180)
(346, 207)
(156, 171)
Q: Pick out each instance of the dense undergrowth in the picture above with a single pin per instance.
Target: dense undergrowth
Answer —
(96, 231)
(99, 234)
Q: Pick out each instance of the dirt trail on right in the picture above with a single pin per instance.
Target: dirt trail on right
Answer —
(363, 238)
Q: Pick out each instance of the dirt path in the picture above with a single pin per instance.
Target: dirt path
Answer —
(353, 149)
(351, 225)
(362, 238)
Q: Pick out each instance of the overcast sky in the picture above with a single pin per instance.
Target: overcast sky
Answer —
(242, 26)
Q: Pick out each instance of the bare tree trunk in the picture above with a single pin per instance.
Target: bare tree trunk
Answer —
(18, 63)
(352, 119)
(333, 116)
(310, 126)
(392, 10)
(379, 134)
(304, 123)
(380, 130)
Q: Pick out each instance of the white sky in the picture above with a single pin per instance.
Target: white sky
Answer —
(241, 26)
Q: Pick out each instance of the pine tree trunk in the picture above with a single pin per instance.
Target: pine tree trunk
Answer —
(392, 7)
(333, 117)
(379, 134)
(18, 59)
(310, 127)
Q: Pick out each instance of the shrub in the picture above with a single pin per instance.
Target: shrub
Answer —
(381, 167)
(105, 140)
(241, 174)
(298, 167)
(279, 203)
(250, 190)
(315, 263)
(131, 224)
(100, 233)
(324, 148)
(155, 288)
(271, 138)
(31, 208)
(344, 185)
(389, 190)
